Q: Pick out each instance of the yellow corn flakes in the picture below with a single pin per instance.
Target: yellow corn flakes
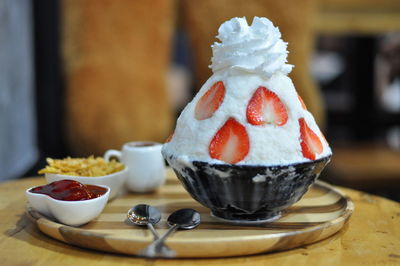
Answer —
(90, 166)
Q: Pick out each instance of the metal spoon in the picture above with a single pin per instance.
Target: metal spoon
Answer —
(182, 219)
(144, 214)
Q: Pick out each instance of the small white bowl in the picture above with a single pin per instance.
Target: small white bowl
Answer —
(73, 213)
(115, 180)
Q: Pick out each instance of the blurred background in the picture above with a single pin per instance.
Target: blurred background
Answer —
(78, 77)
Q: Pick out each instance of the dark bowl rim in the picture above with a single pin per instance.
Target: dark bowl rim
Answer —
(326, 158)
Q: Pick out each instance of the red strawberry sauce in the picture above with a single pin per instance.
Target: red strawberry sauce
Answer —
(70, 190)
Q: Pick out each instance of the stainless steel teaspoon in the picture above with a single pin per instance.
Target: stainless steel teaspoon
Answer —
(144, 214)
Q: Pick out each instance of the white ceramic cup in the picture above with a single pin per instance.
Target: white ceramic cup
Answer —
(146, 168)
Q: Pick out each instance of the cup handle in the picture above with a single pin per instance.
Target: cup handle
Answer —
(112, 153)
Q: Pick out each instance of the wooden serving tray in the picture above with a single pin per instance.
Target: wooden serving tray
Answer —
(319, 214)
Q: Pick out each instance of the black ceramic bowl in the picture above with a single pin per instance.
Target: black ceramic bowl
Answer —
(246, 193)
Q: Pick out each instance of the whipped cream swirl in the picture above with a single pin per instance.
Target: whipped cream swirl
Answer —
(255, 49)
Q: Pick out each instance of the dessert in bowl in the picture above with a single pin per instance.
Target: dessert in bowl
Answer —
(69, 201)
(246, 146)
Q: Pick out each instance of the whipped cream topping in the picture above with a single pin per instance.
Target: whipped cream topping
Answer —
(254, 49)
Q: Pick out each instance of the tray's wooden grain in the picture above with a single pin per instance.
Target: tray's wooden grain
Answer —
(319, 214)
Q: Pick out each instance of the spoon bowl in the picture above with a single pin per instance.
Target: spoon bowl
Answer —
(184, 219)
(144, 214)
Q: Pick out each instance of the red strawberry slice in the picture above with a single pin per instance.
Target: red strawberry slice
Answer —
(231, 143)
(302, 102)
(210, 101)
(265, 107)
(309, 141)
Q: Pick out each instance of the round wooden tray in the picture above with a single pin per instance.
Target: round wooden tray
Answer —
(319, 214)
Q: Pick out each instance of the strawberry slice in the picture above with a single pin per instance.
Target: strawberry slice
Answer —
(210, 101)
(309, 141)
(231, 143)
(265, 107)
(302, 102)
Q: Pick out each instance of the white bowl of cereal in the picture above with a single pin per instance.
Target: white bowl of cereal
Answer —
(90, 171)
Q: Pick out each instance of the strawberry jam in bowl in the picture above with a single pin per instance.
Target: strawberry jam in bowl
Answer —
(68, 201)
(246, 146)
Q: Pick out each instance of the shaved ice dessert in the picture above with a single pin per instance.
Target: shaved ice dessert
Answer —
(246, 146)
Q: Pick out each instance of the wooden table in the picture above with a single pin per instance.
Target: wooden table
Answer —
(372, 236)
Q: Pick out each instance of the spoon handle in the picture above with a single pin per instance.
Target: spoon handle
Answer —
(157, 248)
(161, 240)
(153, 231)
